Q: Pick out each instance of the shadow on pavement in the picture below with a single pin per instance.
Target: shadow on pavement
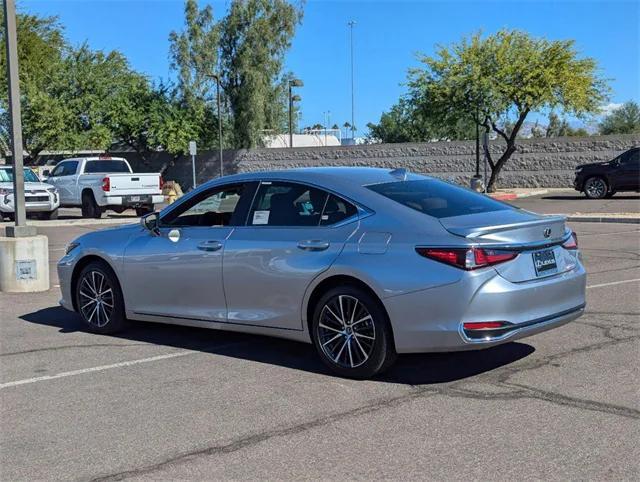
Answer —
(415, 369)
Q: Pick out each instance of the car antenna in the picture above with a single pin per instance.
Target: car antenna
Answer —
(400, 173)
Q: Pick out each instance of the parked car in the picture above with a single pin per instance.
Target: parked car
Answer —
(99, 183)
(40, 198)
(603, 179)
(364, 263)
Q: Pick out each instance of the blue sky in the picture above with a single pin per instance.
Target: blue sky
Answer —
(388, 34)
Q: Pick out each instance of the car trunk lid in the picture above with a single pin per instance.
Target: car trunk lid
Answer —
(537, 238)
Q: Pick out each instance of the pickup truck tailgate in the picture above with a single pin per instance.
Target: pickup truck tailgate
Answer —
(133, 184)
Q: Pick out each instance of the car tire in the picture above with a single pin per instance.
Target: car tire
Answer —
(50, 215)
(596, 187)
(99, 299)
(90, 208)
(144, 210)
(352, 334)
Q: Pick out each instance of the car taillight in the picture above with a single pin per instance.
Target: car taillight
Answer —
(106, 184)
(467, 258)
(161, 183)
(572, 242)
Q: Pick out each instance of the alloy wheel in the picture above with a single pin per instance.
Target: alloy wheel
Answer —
(346, 331)
(596, 187)
(96, 298)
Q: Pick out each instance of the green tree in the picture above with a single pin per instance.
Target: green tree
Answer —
(255, 36)
(499, 79)
(194, 56)
(41, 48)
(624, 120)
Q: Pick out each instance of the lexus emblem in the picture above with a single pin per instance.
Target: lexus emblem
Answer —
(547, 232)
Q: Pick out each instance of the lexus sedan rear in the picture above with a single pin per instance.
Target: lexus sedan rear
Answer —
(363, 263)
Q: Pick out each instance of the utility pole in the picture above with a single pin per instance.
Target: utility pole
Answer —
(11, 41)
(353, 120)
(292, 83)
(216, 77)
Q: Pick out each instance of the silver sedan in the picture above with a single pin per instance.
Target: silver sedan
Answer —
(363, 263)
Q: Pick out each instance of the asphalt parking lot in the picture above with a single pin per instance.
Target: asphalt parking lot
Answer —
(164, 402)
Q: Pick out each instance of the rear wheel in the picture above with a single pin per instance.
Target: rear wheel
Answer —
(595, 188)
(99, 299)
(141, 211)
(352, 334)
(90, 208)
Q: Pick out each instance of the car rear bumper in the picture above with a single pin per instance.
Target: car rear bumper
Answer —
(432, 320)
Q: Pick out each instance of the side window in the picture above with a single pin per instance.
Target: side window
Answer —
(337, 210)
(58, 170)
(216, 207)
(287, 204)
(67, 168)
(633, 158)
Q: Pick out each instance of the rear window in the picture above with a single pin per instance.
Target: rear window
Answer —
(437, 198)
(106, 165)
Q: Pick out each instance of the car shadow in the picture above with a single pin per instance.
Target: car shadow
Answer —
(414, 369)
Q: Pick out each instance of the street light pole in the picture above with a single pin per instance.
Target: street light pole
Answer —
(353, 121)
(292, 83)
(20, 228)
(216, 77)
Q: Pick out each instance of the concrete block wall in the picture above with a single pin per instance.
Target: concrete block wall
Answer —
(537, 162)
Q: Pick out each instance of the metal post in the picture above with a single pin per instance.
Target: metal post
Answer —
(193, 150)
(485, 142)
(219, 124)
(290, 118)
(20, 228)
(353, 115)
(477, 145)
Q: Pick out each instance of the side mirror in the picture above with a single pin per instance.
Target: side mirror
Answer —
(150, 222)
(46, 173)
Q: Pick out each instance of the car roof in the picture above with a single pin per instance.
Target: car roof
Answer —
(329, 176)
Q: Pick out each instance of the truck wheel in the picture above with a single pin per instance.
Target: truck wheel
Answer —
(141, 211)
(50, 214)
(89, 207)
(595, 188)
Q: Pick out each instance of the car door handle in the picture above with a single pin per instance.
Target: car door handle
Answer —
(210, 246)
(313, 245)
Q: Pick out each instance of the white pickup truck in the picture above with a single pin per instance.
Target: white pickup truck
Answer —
(99, 183)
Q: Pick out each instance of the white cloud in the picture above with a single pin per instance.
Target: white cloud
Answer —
(605, 110)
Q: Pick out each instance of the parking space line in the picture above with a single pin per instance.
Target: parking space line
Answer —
(613, 283)
(97, 369)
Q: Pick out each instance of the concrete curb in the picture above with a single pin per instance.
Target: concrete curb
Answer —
(510, 196)
(76, 222)
(603, 219)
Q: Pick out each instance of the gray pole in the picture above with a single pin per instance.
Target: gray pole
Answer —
(353, 115)
(193, 168)
(20, 228)
(290, 118)
(219, 124)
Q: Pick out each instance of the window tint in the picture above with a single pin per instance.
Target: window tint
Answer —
(6, 175)
(67, 168)
(437, 198)
(106, 165)
(337, 210)
(631, 158)
(287, 204)
(211, 208)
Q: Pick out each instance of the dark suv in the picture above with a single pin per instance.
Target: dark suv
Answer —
(604, 179)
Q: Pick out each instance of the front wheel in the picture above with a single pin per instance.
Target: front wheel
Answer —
(99, 299)
(352, 334)
(50, 214)
(595, 188)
